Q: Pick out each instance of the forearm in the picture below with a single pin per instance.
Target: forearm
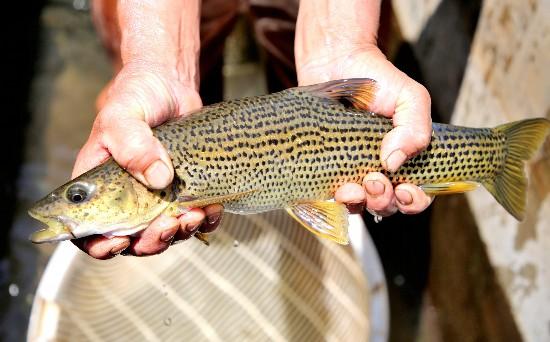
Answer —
(327, 27)
(161, 34)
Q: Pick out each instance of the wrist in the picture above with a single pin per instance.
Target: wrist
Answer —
(328, 31)
(161, 36)
(327, 65)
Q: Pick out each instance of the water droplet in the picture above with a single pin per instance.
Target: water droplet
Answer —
(80, 5)
(13, 290)
(377, 218)
(236, 243)
(399, 280)
(167, 321)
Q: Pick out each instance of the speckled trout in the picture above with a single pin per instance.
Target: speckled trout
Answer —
(289, 150)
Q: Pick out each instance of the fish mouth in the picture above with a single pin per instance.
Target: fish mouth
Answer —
(59, 229)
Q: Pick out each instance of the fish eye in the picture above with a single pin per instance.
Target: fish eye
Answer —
(77, 193)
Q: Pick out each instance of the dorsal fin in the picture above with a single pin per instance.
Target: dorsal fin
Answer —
(360, 92)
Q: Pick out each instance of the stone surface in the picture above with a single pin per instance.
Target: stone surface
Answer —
(413, 16)
(488, 272)
(508, 79)
(470, 303)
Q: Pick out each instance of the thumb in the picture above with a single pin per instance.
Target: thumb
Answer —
(134, 147)
(412, 126)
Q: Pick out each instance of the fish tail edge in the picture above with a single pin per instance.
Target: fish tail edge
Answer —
(523, 139)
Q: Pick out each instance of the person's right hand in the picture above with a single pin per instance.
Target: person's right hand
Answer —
(142, 96)
(338, 40)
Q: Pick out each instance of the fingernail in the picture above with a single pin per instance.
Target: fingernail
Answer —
(168, 234)
(177, 242)
(120, 247)
(395, 160)
(194, 228)
(375, 188)
(403, 196)
(157, 175)
(213, 218)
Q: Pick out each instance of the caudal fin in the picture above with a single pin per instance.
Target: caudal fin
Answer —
(523, 138)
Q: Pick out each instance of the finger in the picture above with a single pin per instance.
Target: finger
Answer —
(353, 195)
(189, 223)
(156, 238)
(100, 247)
(412, 126)
(350, 193)
(132, 144)
(214, 213)
(379, 194)
(411, 199)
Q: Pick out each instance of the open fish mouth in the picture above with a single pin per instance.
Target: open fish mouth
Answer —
(58, 229)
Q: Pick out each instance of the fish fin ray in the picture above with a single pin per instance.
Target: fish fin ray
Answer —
(323, 218)
(448, 188)
(202, 237)
(509, 187)
(360, 92)
(197, 202)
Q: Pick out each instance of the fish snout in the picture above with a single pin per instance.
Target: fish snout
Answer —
(56, 230)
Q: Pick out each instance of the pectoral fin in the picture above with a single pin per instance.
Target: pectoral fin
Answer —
(449, 188)
(323, 218)
(202, 237)
(200, 202)
(183, 204)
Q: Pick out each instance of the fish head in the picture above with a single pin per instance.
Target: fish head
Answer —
(104, 200)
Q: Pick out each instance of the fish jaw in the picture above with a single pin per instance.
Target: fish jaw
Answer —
(63, 228)
(50, 235)
(57, 230)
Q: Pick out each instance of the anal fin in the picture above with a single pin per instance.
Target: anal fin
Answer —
(449, 188)
(326, 219)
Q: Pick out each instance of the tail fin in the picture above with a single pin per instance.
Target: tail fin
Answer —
(523, 139)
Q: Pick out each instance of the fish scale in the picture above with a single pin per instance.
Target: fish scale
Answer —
(290, 150)
(311, 145)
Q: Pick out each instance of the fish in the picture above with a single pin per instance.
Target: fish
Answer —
(289, 150)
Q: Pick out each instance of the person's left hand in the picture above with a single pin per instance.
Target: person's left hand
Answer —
(399, 97)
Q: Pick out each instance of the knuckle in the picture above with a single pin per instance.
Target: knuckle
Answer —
(135, 141)
(420, 94)
(422, 91)
(379, 204)
(136, 152)
(105, 121)
(423, 138)
(376, 176)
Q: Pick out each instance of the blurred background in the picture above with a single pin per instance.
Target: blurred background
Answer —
(462, 271)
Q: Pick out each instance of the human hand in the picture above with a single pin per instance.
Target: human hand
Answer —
(399, 97)
(142, 96)
(154, 47)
